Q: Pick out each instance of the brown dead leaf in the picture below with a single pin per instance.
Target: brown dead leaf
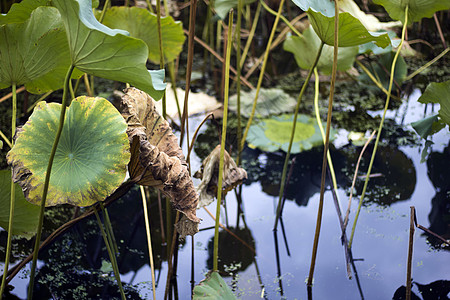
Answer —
(209, 173)
(156, 158)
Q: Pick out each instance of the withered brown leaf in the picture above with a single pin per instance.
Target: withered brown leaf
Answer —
(156, 158)
(209, 173)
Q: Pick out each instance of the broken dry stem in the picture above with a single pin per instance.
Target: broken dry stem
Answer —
(410, 253)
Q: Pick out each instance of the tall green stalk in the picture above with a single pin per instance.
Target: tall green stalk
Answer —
(291, 140)
(149, 240)
(161, 52)
(222, 143)
(13, 194)
(380, 128)
(112, 256)
(326, 144)
(238, 76)
(251, 34)
(47, 181)
(319, 122)
(261, 75)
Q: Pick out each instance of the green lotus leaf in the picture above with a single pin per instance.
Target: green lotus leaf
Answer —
(438, 93)
(20, 12)
(383, 63)
(105, 52)
(305, 48)
(417, 9)
(142, 24)
(371, 47)
(274, 134)
(26, 215)
(428, 126)
(34, 53)
(222, 7)
(270, 102)
(213, 287)
(326, 7)
(91, 158)
(351, 31)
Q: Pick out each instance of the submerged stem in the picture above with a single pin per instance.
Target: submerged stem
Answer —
(222, 143)
(380, 128)
(13, 194)
(47, 181)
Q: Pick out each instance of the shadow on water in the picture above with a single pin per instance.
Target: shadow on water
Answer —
(438, 164)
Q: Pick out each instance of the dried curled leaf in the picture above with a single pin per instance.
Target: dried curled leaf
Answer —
(209, 173)
(156, 158)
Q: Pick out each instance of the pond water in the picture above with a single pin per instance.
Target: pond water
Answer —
(76, 264)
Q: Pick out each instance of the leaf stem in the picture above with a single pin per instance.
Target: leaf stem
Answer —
(326, 144)
(6, 139)
(261, 75)
(428, 64)
(149, 239)
(238, 77)
(47, 181)
(380, 128)
(112, 256)
(13, 194)
(294, 124)
(161, 53)
(286, 21)
(222, 143)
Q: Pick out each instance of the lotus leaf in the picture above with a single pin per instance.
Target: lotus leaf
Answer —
(142, 24)
(326, 7)
(104, 52)
(417, 9)
(35, 52)
(270, 102)
(383, 63)
(25, 214)
(156, 158)
(439, 93)
(370, 47)
(274, 134)
(303, 47)
(20, 12)
(351, 31)
(213, 287)
(369, 21)
(427, 126)
(91, 158)
(222, 7)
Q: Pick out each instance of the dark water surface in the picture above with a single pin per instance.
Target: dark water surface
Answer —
(380, 244)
